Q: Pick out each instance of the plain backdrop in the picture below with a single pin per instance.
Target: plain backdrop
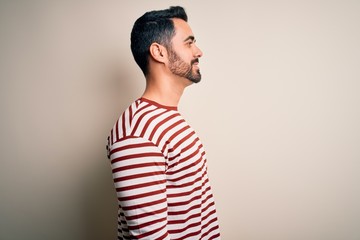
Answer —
(277, 110)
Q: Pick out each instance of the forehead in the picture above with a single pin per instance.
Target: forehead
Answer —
(182, 29)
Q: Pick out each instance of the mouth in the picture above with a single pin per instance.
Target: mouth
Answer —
(195, 63)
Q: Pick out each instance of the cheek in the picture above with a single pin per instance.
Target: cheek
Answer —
(184, 54)
(187, 58)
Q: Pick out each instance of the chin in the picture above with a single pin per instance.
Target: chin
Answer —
(196, 79)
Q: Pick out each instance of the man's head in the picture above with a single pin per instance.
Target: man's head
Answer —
(160, 27)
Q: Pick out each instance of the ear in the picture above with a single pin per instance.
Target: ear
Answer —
(158, 52)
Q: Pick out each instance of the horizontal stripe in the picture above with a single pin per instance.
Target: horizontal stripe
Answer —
(139, 165)
(147, 224)
(141, 195)
(129, 146)
(181, 221)
(140, 175)
(144, 205)
(141, 185)
(140, 155)
(143, 215)
(185, 228)
(160, 176)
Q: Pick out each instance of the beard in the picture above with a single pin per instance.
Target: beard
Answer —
(182, 69)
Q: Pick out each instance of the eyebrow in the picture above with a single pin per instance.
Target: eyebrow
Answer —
(192, 38)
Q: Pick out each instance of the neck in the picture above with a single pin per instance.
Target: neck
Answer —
(164, 90)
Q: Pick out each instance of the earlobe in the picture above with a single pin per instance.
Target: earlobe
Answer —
(157, 52)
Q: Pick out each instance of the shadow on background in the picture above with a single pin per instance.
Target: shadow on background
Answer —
(99, 203)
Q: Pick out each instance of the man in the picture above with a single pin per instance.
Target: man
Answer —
(158, 162)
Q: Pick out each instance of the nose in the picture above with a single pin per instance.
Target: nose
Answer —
(198, 52)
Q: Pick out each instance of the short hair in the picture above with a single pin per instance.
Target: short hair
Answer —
(154, 26)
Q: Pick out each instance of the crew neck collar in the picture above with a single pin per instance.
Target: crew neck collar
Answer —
(158, 104)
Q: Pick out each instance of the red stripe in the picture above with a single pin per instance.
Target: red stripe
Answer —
(205, 181)
(186, 228)
(197, 162)
(146, 234)
(177, 204)
(182, 221)
(192, 155)
(148, 204)
(181, 194)
(139, 110)
(139, 155)
(146, 224)
(212, 213)
(140, 175)
(166, 130)
(211, 229)
(142, 195)
(162, 237)
(190, 174)
(130, 115)
(187, 184)
(209, 205)
(146, 125)
(188, 235)
(173, 213)
(123, 122)
(141, 185)
(217, 235)
(174, 157)
(184, 139)
(178, 133)
(161, 123)
(134, 146)
(140, 119)
(196, 140)
(140, 165)
(146, 214)
(117, 131)
(208, 197)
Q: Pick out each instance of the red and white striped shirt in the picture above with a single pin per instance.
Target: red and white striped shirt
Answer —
(160, 175)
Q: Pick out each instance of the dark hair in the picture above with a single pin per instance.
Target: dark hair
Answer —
(154, 26)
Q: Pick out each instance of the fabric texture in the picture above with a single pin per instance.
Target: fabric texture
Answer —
(160, 175)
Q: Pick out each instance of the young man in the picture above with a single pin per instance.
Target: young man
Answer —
(158, 162)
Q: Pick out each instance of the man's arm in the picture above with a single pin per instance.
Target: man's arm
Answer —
(138, 168)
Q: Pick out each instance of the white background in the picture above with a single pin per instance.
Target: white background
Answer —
(277, 110)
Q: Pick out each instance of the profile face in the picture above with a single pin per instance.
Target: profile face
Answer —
(184, 54)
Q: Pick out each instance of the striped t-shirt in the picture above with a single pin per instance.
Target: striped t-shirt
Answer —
(160, 175)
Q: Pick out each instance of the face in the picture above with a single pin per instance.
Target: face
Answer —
(184, 54)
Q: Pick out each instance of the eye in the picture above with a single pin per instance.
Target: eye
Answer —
(190, 43)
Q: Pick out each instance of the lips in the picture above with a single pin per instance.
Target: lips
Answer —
(195, 61)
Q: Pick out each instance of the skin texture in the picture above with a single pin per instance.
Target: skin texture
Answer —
(172, 70)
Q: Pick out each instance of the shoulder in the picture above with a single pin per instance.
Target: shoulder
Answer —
(131, 147)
